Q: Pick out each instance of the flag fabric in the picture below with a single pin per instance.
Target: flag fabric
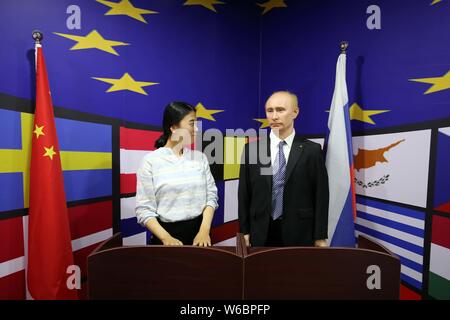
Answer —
(49, 239)
(12, 274)
(383, 163)
(134, 145)
(439, 276)
(339, 163)
(400, 230)
(442, 176)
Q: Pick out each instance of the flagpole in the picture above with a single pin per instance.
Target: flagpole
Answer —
(37, 36)
(343, 46)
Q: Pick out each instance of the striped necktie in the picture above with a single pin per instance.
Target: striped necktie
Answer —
(279, 175)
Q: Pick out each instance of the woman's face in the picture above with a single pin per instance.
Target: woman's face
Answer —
(185, 130)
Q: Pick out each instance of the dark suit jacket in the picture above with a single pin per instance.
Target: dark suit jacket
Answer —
(305, 202)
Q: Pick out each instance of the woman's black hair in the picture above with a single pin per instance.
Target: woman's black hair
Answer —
(173, 114)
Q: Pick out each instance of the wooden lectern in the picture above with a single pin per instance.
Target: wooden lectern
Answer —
(233, 273)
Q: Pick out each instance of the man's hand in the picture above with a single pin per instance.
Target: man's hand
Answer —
(171, 241)
(247, 240)
(320, 243)
(202, 239)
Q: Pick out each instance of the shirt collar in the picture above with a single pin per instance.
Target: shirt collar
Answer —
(276, 141)
(171, 155)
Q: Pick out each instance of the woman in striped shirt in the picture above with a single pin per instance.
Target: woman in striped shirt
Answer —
(176, 194)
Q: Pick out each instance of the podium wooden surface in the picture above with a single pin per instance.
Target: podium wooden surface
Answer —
(234, 273)
(162, 272)
(318, 273)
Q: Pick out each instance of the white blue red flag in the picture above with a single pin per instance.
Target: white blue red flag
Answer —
(339, 163)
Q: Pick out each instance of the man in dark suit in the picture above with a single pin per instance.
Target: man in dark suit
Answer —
(283, 199)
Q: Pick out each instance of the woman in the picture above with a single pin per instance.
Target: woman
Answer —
(176, 194)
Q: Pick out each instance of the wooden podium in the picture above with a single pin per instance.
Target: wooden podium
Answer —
(234, 273)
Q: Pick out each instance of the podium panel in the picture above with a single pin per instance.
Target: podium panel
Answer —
(161, 272)
(320, 273)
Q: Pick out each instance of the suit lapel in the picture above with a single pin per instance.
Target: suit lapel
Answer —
(294, 156)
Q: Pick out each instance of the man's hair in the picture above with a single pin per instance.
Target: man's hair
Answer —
(292, 95)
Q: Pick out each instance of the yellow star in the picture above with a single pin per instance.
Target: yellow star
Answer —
(438, 84)
(204, 113)
(435, 1)
(208, 4)
(264, 123)
(38, 131)
(126, 8)
(356, 113)
(269, 5)
(49, 152)
(126, 83)
(93, 40)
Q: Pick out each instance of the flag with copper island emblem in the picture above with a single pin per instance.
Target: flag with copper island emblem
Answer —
(49, 240)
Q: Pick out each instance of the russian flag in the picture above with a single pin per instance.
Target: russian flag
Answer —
(339, 163)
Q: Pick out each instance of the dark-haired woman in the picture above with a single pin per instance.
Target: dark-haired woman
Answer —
(176, 194)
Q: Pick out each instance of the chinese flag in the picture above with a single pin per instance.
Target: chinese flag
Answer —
(49, 241)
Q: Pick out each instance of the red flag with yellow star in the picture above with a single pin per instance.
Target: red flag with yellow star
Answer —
(49, 240)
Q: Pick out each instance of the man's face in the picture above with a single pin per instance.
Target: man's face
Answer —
(281, 112)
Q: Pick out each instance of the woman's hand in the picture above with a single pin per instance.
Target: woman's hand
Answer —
(202, 239)
(171, 241)
(159, 232)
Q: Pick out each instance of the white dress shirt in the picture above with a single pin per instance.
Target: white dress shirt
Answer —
(274, 146)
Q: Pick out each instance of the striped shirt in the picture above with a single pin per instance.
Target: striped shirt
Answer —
(174, 188)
